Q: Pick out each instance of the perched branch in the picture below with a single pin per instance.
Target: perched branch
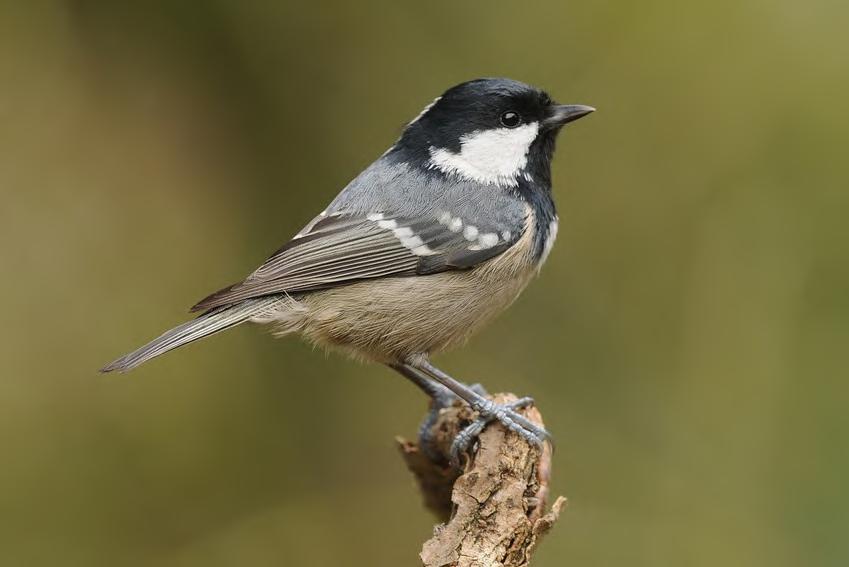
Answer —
(494, 510)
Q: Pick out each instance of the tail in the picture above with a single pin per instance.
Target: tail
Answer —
(207, 324)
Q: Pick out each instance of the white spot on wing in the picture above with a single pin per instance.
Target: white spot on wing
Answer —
(422, 250)
(488, 240)
(492, 157)
(470, 232)
(404, 234)
(456, 225)
(412, 242)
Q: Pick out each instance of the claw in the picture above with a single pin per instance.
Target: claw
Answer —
(505, 414)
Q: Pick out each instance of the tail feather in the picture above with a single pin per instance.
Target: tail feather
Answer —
(207, 324)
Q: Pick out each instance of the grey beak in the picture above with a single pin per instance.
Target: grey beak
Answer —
(560, 114)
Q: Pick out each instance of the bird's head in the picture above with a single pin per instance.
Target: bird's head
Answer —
(489, 130)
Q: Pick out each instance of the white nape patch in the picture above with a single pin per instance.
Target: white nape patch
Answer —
(549, 239)
(491, 157)
(424, 111)
(470, 232)
(488, 240)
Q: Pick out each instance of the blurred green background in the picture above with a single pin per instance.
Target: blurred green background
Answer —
(687, 342)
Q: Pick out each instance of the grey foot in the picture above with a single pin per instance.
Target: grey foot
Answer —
(440, 399)
(489, 411)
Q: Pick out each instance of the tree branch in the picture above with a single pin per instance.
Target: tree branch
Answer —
(494, 512)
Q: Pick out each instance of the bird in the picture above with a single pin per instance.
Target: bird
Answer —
(421, 250)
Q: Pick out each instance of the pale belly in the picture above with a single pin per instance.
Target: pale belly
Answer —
(389, 319)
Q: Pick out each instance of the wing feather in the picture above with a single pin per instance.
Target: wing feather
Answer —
(343, 248)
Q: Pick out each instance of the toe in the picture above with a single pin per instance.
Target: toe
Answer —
(521, 403)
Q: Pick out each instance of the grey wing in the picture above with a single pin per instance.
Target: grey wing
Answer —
(344, 248)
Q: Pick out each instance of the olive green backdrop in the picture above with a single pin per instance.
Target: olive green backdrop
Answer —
(687, 340)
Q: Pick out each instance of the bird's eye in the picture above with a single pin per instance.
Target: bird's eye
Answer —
(511, 119)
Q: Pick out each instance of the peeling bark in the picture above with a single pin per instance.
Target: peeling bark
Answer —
(494, 510)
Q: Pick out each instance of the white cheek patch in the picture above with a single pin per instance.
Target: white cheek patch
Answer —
(492, 157)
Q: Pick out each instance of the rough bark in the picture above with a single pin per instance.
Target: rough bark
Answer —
(494, 511)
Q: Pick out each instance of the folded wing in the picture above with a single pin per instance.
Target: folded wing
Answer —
(344, 248)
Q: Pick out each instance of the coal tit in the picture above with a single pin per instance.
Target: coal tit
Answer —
(419, 251)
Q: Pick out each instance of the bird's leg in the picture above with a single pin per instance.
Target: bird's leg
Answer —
(487, 410)
(441, 397)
